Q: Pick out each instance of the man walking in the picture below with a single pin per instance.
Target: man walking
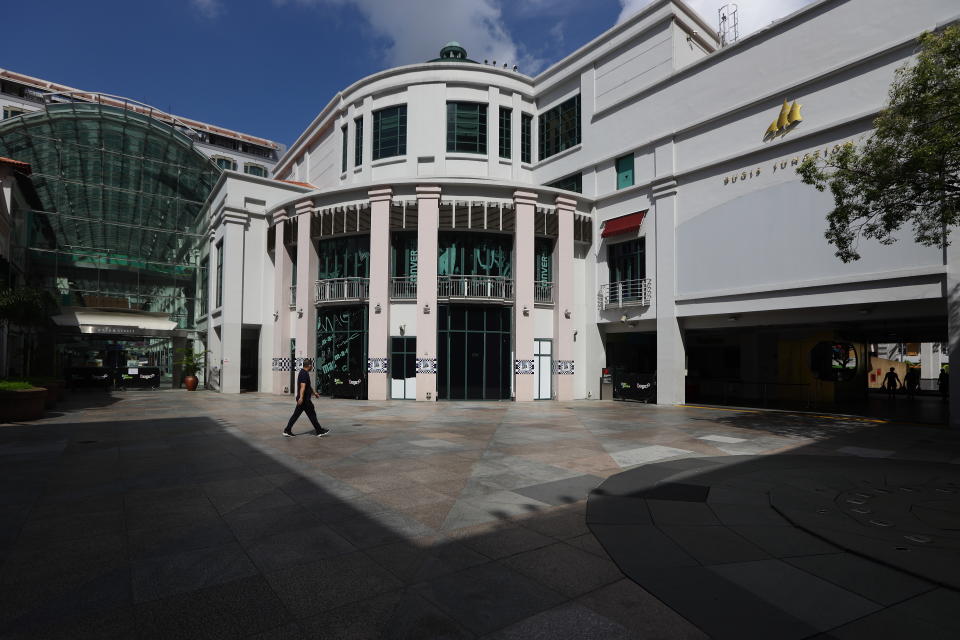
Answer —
(304, 403)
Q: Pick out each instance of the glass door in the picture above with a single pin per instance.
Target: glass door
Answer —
(543, 368)
(403, 368)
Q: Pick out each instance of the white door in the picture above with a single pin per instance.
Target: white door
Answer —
(543, 368)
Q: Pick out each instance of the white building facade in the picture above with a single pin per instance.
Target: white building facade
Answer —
(455, 230)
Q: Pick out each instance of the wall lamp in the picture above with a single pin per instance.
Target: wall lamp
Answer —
(426, 308)
(376, 308)
(300, 313)
(276, 316)
(526, 310)
(566, 313)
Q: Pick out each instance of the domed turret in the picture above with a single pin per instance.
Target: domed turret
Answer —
(453, 52)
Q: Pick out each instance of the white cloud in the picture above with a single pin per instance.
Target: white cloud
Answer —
(752, 14)
(415, 30)
(208, 8)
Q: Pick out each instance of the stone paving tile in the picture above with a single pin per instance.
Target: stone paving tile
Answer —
(564, 569)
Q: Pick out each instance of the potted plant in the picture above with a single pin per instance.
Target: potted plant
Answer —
(20, 400)
(192, 362)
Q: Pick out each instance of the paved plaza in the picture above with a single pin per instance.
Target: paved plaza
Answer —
(176, 515)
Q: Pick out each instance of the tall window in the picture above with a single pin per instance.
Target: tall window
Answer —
(227, 164)
(255, 170)
(343, 154)
(390, 132)
(12, 112)
(505, 120)
(219, 274)
(570, 183)
(560, 128)
(626, 260)
(625, 172)
(467, 127)
(358, 142)
(526, 127)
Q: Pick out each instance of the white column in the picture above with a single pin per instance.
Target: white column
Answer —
(307, 268)
(524, 383)
(231, 310)
(428, 222)
(564, 305)
(282, 279)
(671, 353)
(378, 327)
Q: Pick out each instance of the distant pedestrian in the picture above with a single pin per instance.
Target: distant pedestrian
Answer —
(304, 402)
(911, 381)
(943, 383)
(891, 381)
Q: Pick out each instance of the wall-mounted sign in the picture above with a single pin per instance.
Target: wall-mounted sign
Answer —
(783, 163)
(787, 120)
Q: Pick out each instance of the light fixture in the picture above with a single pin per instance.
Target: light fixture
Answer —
(566, 313)
(376, 308)
(276, 316)
(403, 329)
(526, 310)
(574, 335)
(426, 308)
(300, 313)
(623, 319)
(732, 318)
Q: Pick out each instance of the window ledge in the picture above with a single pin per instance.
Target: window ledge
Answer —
(558, 155)
(506, 161)
(391, 160)
(216, 312)
(463, 155)
(358, 169)
(632, 189)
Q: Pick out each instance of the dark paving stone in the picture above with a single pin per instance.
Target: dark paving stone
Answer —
(568, 621)
(720, 608)
(250, 525)
(488, 597)
(676, 491)
(602, 509)
(745, 514)
(233, 609)
(869, 579)
(413, 563)
(637, 610)
(565, 569)
(506, 541)
(566, 491)
(939, 607)
(77, 525)
(636, 548)
(668, 512)
(119, 624)
(784, 541)
(147, 543)
(562, 525)
(312, 588)
(892, 625)
(816, 602)
(289, 631)
(589, 543)
(173, 573)
(714, 544)
(296, 547)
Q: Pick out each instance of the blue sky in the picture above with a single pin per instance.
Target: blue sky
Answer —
(267, 67)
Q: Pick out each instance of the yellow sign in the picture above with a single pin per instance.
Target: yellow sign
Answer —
(787, 120)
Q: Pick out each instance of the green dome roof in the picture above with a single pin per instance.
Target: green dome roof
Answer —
(452, 52)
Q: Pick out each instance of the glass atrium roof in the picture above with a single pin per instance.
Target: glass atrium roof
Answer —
(113, 183)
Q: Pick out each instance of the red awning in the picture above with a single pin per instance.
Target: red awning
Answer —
(623, 224)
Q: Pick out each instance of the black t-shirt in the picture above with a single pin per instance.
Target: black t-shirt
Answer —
(302, 377)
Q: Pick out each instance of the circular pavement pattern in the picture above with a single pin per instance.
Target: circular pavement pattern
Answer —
(791, 546)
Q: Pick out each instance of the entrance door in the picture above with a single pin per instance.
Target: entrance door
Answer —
(403, 368)
(543, 368)
(473, 352)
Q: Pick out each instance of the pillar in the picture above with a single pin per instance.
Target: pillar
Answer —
(428, 221)
(524, 384)
(282, 278)
(305, 323)
(671, 353)
(564, 305)
(231, 309)
(378, 327)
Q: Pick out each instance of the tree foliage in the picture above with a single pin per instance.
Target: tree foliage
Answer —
(908, 171)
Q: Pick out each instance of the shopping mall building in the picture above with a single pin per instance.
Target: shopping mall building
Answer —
(628, 221)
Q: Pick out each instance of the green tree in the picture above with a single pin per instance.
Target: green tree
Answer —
(908, 171)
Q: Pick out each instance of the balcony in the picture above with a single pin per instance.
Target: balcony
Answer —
(293, 296)
(336, 290)
(475, 288)
(543, 292)
(626, 293)
(404, 288)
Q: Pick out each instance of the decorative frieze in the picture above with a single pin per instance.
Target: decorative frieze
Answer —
(376, 365)
(426, 365)
(282, 364)
(523, 367)
(563, 367)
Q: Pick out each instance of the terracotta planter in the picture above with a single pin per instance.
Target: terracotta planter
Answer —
(22, 405)
(191, 382)
(55, 391)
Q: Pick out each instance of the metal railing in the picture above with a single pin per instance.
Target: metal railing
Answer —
(293, 296)
(626, 293)
(403, 288)
(474, 288)
(342, 290)
(542, 292)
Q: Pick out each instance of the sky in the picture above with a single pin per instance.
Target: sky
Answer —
(267, 67)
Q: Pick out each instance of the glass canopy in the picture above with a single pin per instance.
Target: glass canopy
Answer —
(120, 194)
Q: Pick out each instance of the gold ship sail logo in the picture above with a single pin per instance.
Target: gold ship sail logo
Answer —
(788, 119)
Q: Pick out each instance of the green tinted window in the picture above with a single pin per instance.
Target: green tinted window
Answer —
(526, 125)
(625, 171)
(255, 170)
(560, 128)
(467, 127)
(226, 163)
(220, 274)
(390, 132)
(505, 131)
(343, 153)
(358, 142)
(570, 183)
(626, 260)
